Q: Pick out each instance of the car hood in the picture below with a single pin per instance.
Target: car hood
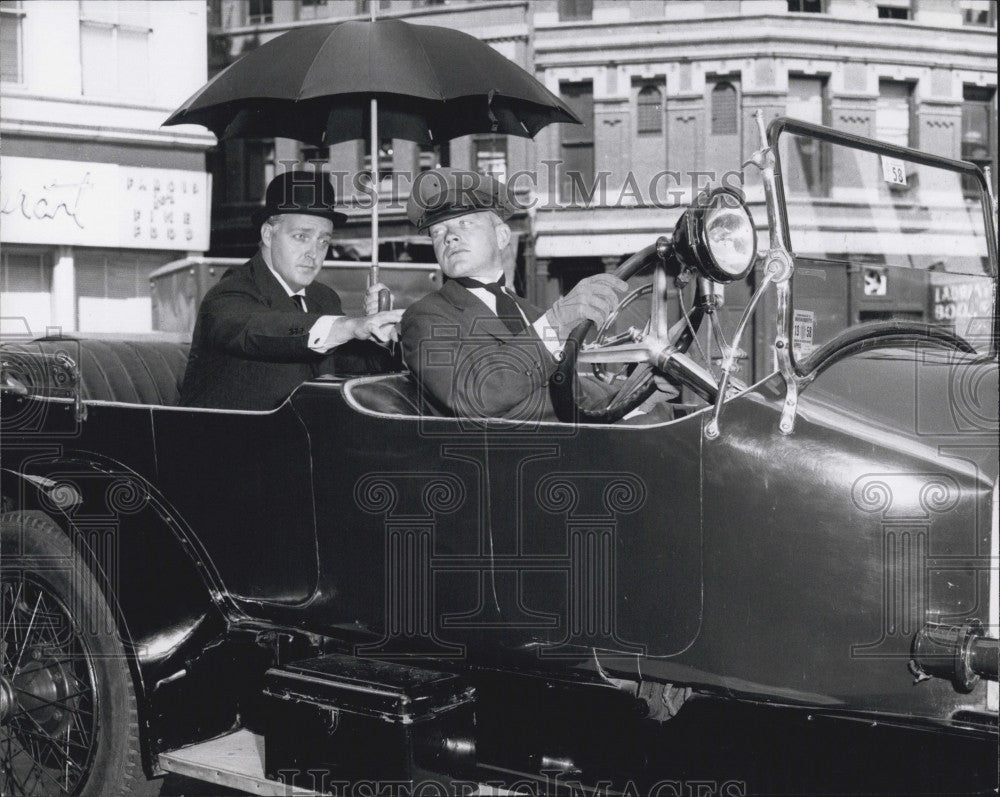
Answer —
(937, 401)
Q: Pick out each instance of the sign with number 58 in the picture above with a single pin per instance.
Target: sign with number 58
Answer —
(893, 170)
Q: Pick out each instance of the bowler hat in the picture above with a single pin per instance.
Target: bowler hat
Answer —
(441, 194)
(304, 193)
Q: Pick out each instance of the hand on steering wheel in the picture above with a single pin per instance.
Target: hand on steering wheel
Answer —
(638, 385)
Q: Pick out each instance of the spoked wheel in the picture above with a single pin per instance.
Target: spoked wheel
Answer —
(67, 709)
(49, 723)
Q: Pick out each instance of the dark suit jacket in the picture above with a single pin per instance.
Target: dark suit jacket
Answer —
(470, 364)
(250, 347)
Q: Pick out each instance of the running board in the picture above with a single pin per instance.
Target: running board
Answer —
(235, 761)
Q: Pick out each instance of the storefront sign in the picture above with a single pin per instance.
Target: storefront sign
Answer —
(103, 204)
(966, 306)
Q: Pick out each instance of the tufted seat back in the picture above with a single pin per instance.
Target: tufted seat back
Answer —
(396, 394)
(134, 372)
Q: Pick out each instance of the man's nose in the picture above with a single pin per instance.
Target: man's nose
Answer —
(451, 234)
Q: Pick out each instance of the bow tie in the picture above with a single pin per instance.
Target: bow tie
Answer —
(507, 309)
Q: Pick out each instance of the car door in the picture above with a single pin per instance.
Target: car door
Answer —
(606, 536)
(242, 481)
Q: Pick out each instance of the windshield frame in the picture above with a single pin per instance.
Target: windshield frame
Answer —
(782, 237)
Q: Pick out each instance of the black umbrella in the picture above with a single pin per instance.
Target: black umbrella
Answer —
(315, 84)
(323, 84)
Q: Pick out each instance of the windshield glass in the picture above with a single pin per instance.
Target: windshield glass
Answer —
(878, 237)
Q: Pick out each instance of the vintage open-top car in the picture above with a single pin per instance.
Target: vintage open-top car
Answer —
(366, 589)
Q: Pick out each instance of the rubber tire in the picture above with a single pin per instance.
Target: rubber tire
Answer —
(116, 768)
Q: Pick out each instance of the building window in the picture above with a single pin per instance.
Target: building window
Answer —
(893, 12)
(363, 7)
(807, 99)
(894, 113)
(432, 157)
(112, 289)
(311, 9)
(258, 168)
(490, 156)
(979, 12)
(249, 166)
(979, 132)
(807, 6)
(11, 14)
(114, 49)
(384, 159)
(25, 273)
(810, 172)
(26, 290)
(109, 275)
(313, 156)
(260, 12)
(725, 110)
(649, 111)
(577, 141)
(570, 10)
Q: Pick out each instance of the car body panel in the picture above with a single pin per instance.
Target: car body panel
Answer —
(503, 512)
(243, 481)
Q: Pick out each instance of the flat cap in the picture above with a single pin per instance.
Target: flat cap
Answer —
(441, 194)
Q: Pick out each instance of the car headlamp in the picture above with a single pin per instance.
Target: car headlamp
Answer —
(716, 236)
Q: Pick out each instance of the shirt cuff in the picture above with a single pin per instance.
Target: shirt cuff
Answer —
(319, 332)
(548, 335)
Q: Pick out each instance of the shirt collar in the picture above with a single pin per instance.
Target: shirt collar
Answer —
(282, 283)
(487, 281)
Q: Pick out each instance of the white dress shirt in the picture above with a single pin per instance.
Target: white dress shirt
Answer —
(546, 332)
(319, 331)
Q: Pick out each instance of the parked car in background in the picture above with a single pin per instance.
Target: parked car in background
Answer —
(371, 592)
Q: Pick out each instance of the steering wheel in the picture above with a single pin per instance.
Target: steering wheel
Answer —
(638, 385)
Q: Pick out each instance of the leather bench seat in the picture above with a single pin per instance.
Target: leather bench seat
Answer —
(133, 372)
(397, 394)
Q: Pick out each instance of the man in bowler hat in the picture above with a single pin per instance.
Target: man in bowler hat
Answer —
(477, 349)
(268, 326)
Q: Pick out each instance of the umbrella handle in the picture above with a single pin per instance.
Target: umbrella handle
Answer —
(384, 295)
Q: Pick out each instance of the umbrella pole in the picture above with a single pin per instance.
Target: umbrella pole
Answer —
(384, 297)
(373, 274)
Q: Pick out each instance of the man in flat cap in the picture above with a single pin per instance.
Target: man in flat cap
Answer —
(477, 349)
(267, 326)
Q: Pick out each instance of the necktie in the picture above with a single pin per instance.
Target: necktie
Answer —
(507, 310)
(300, 300)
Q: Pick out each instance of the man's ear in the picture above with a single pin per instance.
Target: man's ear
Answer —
(266, 231)
(503, 235)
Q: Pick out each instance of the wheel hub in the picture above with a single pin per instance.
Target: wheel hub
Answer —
(44, 690)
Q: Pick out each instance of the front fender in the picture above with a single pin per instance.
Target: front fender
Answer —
(168, 607)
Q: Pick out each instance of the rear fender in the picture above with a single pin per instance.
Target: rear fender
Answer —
(170, 609)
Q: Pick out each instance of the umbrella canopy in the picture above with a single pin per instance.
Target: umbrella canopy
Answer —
(315, 84)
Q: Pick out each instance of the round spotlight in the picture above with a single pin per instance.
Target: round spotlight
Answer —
(717, 237)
